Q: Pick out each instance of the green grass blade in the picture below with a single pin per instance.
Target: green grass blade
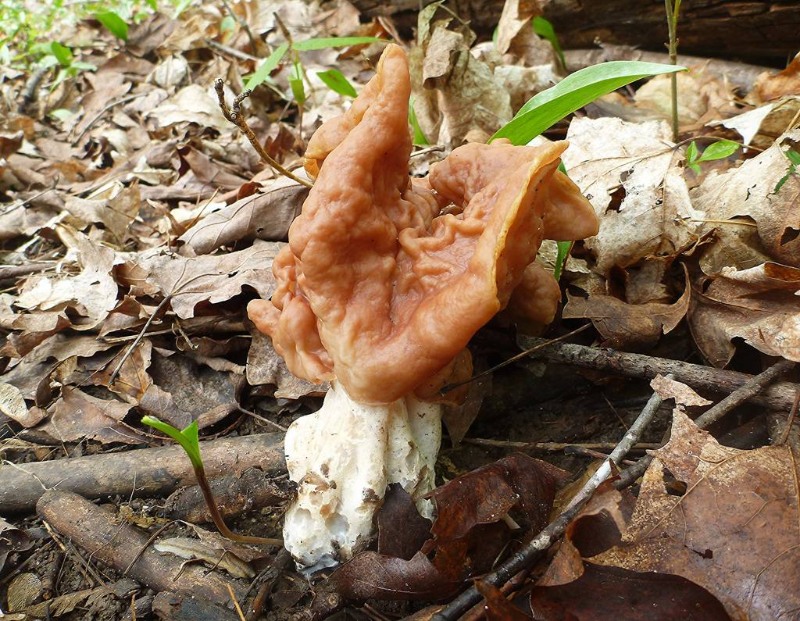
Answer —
(545, 109)
(269, 64)
(544, 29)
(322, 43)
(114, 24)
(335, 80)
(62, 53)
(419, 138)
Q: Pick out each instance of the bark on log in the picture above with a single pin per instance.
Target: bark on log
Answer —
(153, 471)
(118, 544)
(779, 396)
(755, 30)
(752, 30)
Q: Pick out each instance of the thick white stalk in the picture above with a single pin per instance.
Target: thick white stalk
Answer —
(343, 458)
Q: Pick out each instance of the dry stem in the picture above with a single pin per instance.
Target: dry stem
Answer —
(234, 115)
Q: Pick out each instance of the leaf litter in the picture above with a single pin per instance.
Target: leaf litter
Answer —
(142, 212)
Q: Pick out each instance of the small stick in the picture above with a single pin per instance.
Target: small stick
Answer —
(234, 115)
(15, 271)
(720, 381)
(556, 528)
(746, 392)
(737, 397)
(157, 471)
(116, 544)
(790, 421)
(556, 447)
(138, 339)
(519, 356)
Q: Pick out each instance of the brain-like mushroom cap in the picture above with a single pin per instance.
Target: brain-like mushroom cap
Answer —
(378, 290)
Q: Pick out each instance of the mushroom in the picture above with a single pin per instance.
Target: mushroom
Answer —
(379, 291)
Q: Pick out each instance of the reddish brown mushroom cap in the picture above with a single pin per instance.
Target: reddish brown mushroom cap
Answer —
(374, 288)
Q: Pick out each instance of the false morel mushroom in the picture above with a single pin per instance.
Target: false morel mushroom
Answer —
(384, 281)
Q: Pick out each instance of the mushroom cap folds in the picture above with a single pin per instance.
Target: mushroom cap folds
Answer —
(375, 287)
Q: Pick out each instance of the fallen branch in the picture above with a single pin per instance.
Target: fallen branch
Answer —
(553, 531)
(719, 381)
(153, 471)
(117, 544)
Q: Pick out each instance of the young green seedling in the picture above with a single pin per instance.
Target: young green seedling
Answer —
(794, 161)
(335, 80)
(271, 62)
(718, 150)
(189, 441)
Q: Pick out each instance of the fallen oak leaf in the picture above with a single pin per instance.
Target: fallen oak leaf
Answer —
(610, 593)
(733, 531)
(370, 575)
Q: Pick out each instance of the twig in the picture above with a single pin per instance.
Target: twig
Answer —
(555, 447)
(524, 557)
(719, 381)
(746, 392)
(513, 359)
(105, 109)
(790, 421)
(139, 337)
(230, 51)
(14, 271)
(673, 8)
(234, 115)
(737, 397)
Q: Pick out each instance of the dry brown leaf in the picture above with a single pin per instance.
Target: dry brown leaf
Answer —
(700, 95)
(459, 94)
(12, 405)
(516, 15)
(91, 294)
(733, 531)
(114, 206)
(672, 389)
(78, 416)
(760, 305)
(12, 539)
(206, 279)
(628, 172)
(192, 104)
(265, 366)
(771, 86)
(749, 192)
(628, 326)
(264, 215)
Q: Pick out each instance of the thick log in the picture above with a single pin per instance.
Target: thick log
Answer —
(753, 30)
(141, 472)
(759, 31)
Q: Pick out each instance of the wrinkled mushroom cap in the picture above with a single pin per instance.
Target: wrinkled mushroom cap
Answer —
(378, 290)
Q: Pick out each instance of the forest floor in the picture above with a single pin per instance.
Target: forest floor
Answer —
(137, 223)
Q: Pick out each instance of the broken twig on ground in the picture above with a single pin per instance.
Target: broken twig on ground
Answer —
(524, 557)
(720, 381)
(747, 391)
(234, 115)
(117, 544)
(153, 471)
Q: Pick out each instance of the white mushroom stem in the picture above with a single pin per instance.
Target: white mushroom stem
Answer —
(343, 458)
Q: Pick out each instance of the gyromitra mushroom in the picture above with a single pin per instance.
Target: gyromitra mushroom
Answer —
(380, 289)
